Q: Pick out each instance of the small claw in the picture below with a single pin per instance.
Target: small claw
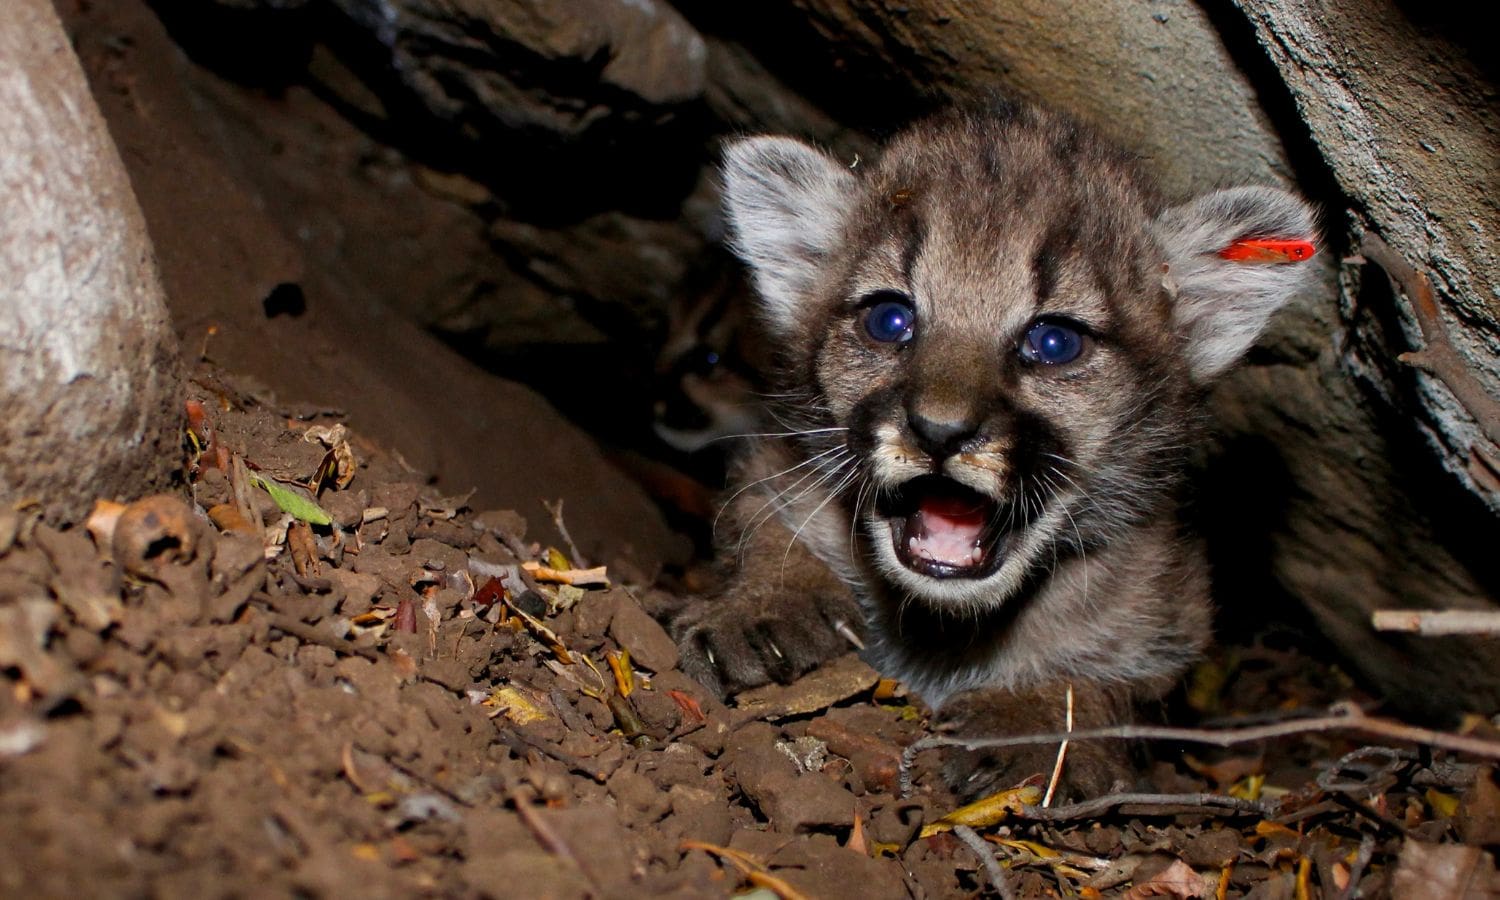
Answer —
(848, 634)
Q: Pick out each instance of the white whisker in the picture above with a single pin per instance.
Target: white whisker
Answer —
(781, 501)
(810, 461)
(842, 484)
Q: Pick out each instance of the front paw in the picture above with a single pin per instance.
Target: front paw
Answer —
(745, 639)
(1090, 769)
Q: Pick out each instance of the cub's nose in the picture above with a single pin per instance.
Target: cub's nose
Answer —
(940, 438)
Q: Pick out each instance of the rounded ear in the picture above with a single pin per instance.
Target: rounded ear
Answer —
(1234, 257)
(786, 203)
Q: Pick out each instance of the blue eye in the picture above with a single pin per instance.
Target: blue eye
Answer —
(890, 321)
(1052, 343)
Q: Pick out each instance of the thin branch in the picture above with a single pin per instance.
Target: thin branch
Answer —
(562, 529)
(974, 842)
(546, 835)
(1432, 622)
(1357, 868)
(1438, 357)
(313, 635)
(1344, 717)
(1370, 765)
(1151, 804)
(1062, 752)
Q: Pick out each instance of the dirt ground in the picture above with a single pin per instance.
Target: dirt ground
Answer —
(205, 696)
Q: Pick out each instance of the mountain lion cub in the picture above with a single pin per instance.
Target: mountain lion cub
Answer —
(992, 350)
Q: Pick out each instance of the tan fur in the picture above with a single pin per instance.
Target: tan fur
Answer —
(986, 227)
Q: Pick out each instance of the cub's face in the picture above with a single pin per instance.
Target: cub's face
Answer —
(1004, 364)
(705, 388)
(999, 333)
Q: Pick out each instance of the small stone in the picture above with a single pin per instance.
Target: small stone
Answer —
(1211, 849)
(346, 508)
(648, 642)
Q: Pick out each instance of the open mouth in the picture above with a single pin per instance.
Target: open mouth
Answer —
(942, 529)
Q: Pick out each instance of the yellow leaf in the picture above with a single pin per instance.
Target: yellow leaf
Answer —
(556, 560)
(619, 664)
(366, 852)
(1225, 874)
(1442, 804)
(1040, 851)
(1304, 879)
(538, 628)
(987, 811)
(1268, 829)
(877, 849)
(516, 706)
(1205, 685)
(1248, 788)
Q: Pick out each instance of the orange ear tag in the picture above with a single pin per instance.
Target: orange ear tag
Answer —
(1257, 250)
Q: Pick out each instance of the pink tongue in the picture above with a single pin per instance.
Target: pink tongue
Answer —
(947, 530)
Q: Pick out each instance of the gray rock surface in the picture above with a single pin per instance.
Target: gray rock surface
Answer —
(88, 375)
(460, 57)
(1410, 127)
(1408, 124)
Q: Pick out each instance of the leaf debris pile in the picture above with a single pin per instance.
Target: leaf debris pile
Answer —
(309, 674)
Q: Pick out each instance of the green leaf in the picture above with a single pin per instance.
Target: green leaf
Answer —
(292, 502)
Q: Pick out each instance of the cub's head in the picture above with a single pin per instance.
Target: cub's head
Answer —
(1002, 330)
(705, 387)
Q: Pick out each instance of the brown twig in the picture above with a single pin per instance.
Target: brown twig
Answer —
(1438, 357)
(557, 519)
(1431, 622)
(1344, 717)
(519, 742)
(546, 835)
(1357, 868)
(1370, 765)
(1152, 804)
(515, 545)
(974, 842)
(312, 635)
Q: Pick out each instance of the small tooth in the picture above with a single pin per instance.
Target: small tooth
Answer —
(911, 544)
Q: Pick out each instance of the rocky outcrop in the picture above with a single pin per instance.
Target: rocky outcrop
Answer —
(1397, 476)
(1407, 121)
